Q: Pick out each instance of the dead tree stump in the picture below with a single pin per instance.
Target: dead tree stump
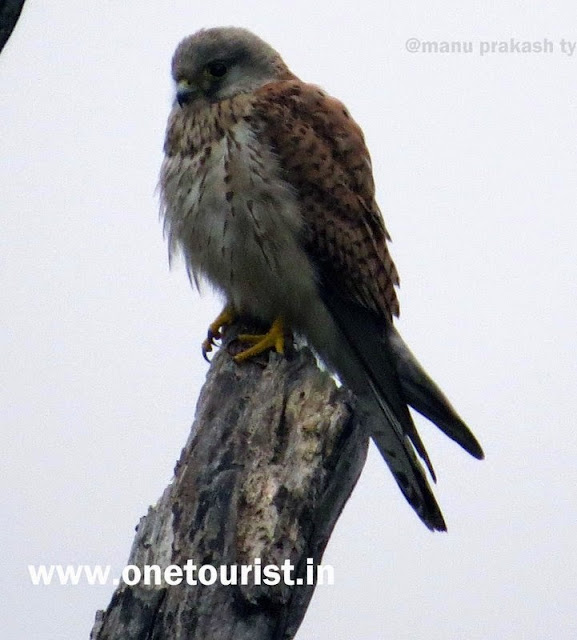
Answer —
(273, 455)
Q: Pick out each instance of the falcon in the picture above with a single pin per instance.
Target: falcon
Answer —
(267, 191)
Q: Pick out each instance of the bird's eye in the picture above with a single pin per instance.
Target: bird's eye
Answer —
(216, 69)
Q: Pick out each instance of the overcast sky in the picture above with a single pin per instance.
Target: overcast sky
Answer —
(475, 161)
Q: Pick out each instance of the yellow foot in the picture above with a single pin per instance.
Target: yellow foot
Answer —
(224, 318)
(273, 339)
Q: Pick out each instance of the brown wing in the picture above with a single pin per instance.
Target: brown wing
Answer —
(323, 154)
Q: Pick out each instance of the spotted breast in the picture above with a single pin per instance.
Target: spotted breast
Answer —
(228, 211)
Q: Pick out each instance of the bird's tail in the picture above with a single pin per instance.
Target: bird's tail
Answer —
(356, 351)
(425, 396)
(385, 377)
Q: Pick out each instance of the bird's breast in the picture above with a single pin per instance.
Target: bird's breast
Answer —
(236, 221)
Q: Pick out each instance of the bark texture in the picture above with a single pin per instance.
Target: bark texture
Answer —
(272, 457)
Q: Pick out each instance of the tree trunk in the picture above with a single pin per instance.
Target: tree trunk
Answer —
(271, 459)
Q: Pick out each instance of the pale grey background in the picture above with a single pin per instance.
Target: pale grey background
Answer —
(475, 164)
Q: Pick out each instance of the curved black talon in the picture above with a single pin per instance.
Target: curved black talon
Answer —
(209, 342)
(207, 346)
(205, 350)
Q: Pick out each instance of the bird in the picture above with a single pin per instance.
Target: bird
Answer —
(267, 191)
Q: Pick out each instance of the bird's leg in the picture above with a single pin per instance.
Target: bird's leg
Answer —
(274, 338)
(224, 318)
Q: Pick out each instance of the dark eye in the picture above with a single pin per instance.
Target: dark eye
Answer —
(217, 69)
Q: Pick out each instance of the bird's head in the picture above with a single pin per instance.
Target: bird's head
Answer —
(214, 64)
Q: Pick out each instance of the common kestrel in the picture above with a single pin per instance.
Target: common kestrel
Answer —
(267, 190)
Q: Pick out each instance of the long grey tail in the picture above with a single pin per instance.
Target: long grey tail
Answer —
(425, 396)
(381, 371)
(366, 365)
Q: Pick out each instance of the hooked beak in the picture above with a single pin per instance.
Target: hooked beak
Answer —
(185, 92)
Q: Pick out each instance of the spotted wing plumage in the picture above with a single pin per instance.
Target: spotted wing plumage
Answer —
(324, 157)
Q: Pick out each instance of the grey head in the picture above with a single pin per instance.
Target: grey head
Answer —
(214, 64)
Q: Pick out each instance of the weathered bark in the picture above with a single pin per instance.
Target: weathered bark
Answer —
(9, 13)
(271, 459)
